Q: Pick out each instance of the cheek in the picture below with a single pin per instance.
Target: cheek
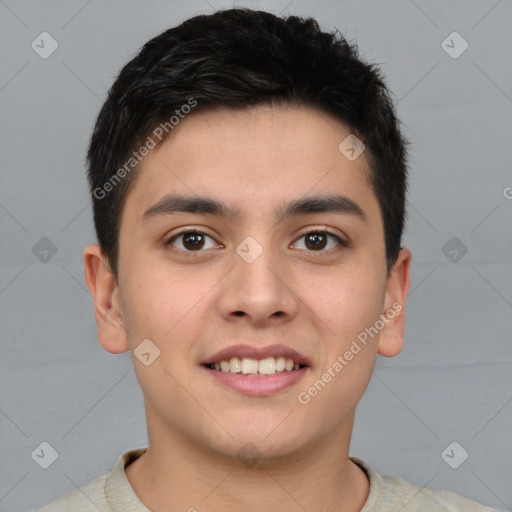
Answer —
(168, 306)
(154, 303)
(348, 305)
(348, 302)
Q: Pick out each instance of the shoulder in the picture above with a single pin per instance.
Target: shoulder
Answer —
(416, 499)
(389, 492)
(89, 497)
(106, 493)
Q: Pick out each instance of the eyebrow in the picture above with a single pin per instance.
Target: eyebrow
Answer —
(325, 203)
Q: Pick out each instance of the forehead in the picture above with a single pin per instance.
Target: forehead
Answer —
(254, 161)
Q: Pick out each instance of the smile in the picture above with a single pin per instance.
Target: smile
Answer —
(255, 367)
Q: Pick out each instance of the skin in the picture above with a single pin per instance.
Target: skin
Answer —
(192, 304)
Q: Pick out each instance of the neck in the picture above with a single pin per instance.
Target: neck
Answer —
(316, 478)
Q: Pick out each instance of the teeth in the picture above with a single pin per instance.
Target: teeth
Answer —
(248, 366)
(267, 366)
(234, 365)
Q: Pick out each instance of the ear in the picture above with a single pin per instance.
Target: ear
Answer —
(107, 303)
(391, 337)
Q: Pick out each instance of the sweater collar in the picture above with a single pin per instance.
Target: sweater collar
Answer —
(122, 498)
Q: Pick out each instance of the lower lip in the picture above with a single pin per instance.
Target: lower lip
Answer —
(258, 386)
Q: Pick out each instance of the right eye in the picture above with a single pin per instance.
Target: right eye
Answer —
(190, 241)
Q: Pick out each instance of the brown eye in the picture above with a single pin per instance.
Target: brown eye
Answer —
(191, 241)
(317, 241)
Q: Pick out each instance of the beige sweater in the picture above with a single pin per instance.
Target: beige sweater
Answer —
(113, 493)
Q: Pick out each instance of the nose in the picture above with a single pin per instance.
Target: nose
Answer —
(258, 292)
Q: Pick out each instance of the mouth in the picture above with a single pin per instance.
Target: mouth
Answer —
(257, 370)
(251, 367)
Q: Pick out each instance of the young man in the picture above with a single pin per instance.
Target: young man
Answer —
(248, 178)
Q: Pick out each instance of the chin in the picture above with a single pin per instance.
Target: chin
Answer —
(268, 444)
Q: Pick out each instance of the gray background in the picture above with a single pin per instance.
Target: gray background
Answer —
(452, 382)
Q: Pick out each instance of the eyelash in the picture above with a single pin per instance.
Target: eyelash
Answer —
(340, 241)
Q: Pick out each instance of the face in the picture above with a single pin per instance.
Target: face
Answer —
(254, 273)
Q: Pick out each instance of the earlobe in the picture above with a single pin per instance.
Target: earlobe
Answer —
(390, 344)
(391, 337)
(107, 303)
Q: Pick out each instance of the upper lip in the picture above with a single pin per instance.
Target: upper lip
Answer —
(253, 352)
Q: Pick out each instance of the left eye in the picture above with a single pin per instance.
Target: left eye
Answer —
(318, 240)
